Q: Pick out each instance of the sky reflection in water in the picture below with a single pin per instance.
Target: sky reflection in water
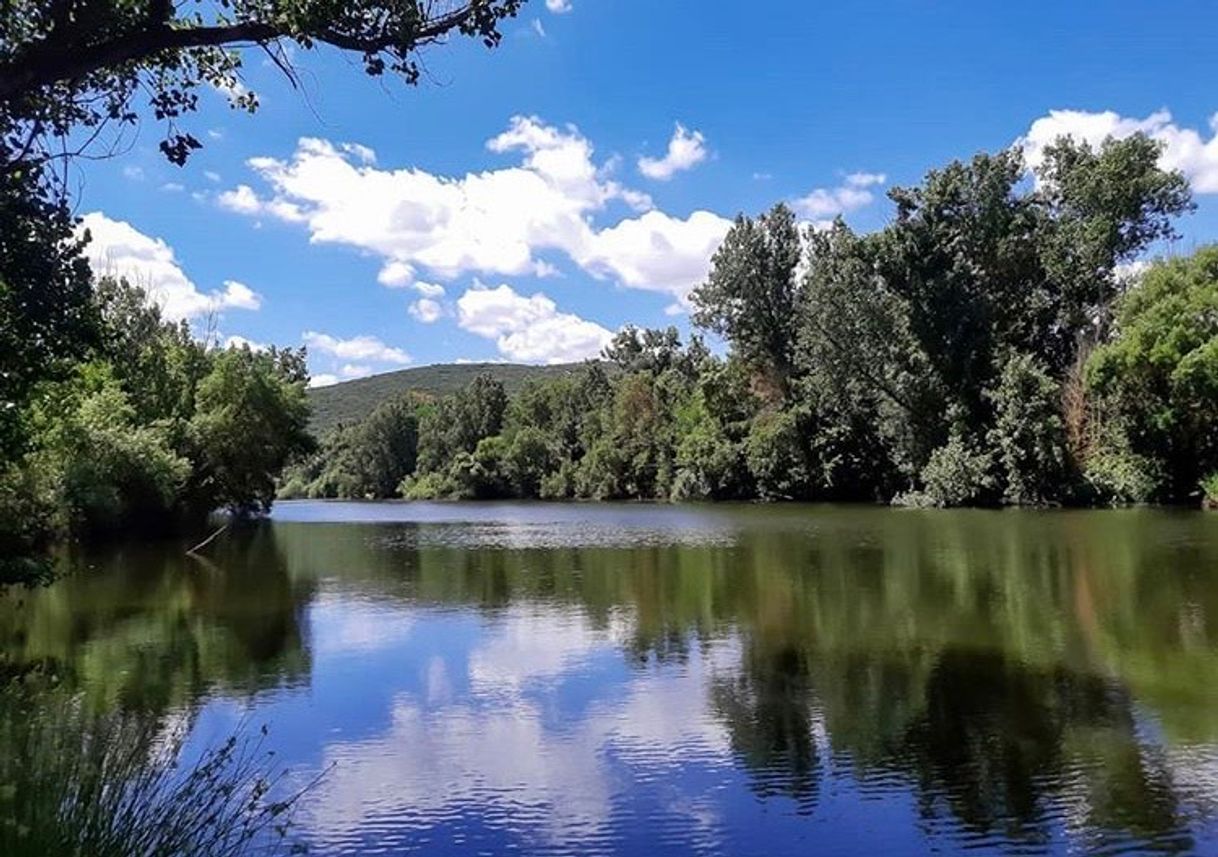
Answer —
(656, 679)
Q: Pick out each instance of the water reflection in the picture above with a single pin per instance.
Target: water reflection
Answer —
(649, 679)
(149, 627)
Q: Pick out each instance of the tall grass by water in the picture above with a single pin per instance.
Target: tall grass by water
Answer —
(79, 782)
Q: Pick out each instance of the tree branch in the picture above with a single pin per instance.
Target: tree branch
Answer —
(53, 62)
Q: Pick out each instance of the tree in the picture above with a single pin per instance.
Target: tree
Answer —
(252, 419)
(384, 447)
(1107, 205)
(1029, 435)
(1160, 372)
(100, 469)
(79, 64)
(46, 318)
(70, 68)
(750, 295)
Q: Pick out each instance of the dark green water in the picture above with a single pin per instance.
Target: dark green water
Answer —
(645, 680)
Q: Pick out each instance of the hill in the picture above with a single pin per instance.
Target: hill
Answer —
(353, 400)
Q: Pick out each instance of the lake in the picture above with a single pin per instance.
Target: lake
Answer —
(636, 679)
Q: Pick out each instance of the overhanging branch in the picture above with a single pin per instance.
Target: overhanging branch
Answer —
(53, 62)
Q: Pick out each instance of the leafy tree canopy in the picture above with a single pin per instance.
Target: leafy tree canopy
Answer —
(70, 66)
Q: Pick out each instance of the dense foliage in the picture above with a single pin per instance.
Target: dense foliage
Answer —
(152, 430)
(109, 418)
(983, 349)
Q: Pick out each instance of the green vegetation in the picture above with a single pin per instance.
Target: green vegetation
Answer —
(76, 782)
(983, 349)
(110, 418)
(149, 432)
(349, 402)
(992, 659)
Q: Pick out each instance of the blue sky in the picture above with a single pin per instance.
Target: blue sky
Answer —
(523, 203)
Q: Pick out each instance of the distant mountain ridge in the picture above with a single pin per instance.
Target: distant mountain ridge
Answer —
(351, 401)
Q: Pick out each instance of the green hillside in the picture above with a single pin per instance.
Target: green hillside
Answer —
(353, 400)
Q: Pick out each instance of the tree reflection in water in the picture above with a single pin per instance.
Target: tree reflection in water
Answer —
(1019, 675)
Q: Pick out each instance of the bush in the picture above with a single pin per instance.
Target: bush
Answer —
(428, 486)
(1028, 437)
(776, 457)
(101, 471)
(956, 475)
(1116, 474)
(561, 484)
(1209, 491)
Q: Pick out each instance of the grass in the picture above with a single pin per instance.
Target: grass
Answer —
(351, 401)
(73, 782)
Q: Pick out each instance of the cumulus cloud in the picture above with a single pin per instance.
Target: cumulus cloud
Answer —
(686, 150)
(355, 370)
(241, 199)
(1185, 149)
(426, 310)
(356, 348)
(428, 290)
(529, 329)
(656, 251)
(119, 249)
(242, 342)
(851, 195)
(324, 379)
(497, 221)
(559, 7)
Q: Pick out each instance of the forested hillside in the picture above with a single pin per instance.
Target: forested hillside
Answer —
(351, 401)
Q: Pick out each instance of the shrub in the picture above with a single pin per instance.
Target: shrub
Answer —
(1028, 437)
(956, 475)
(776, 457)
(1209, 491)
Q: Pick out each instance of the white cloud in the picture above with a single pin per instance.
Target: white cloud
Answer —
(325, 379)
(657, 252)
(211, 175)
(539, 28)
(121, 250)
(239, 296)
(686, 150)
(173, 187)
(395, 274)
(356, 348)
(1185, 149)
(529, 329)
(428, 290)
(134, 173)
(493, 222)
(866, 179)
(241, 199)
(355, 370)
(559, 7)
(363, 153)
(851, 195)
(242, 342)
(426, 310)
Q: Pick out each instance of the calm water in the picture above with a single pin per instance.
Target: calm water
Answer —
(537, 678)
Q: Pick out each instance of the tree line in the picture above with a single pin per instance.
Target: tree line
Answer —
(995, 344)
